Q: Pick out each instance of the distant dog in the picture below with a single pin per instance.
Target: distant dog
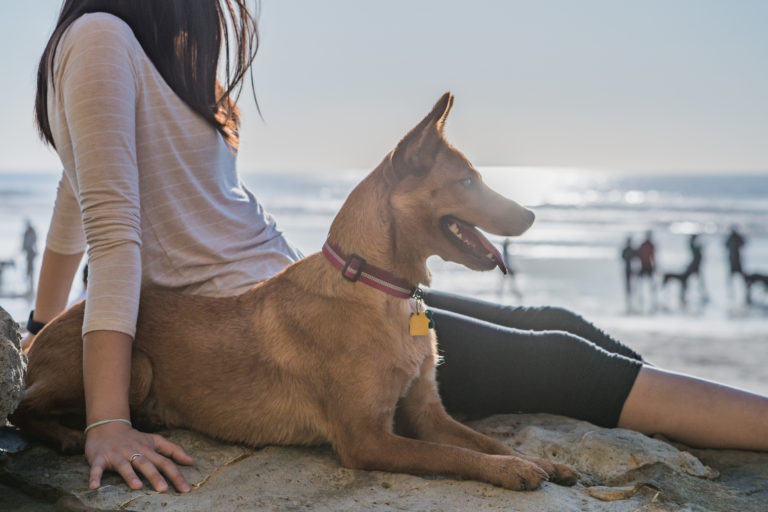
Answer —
(752, 279)
(683, 279)
(671, 276)
(319, 353)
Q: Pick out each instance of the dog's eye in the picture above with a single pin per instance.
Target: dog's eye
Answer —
(467, 182)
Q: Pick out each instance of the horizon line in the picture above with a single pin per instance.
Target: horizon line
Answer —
(559, 168)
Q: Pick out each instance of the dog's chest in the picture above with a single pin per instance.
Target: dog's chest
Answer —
(416, 355)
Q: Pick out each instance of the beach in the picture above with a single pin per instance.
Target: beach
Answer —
(569, 258)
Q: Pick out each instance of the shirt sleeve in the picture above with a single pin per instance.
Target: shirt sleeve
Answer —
(97, 83)
(65, 234)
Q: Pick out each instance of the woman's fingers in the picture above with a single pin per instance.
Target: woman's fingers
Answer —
(169, 469)
(172, 450)
(148, 468)
(124, 467)
(97, 469)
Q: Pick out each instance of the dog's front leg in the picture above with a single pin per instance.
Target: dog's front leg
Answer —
(421, 413)
(381, 450)
(361, 433)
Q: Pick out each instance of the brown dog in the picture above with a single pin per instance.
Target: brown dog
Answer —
(308, 356)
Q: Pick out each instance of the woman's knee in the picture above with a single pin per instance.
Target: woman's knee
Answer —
(557, 318)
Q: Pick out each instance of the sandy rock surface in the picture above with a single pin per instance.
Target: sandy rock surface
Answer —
(620, 471)
(13, 366)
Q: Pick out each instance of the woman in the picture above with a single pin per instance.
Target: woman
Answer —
(127, 94)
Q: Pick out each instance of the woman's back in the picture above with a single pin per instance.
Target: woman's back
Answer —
(120, 128)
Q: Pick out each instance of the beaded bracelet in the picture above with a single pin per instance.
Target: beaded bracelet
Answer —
(102, 422)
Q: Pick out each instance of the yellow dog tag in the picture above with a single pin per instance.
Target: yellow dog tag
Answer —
(419, 324)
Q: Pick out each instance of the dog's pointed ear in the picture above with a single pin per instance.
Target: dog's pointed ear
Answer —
(443, 105)
(417, 151)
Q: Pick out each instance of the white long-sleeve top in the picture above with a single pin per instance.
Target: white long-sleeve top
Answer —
(149, 187)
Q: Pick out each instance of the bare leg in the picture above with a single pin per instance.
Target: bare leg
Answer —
(695, 411)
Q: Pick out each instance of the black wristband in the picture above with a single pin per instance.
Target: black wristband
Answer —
(32, 325)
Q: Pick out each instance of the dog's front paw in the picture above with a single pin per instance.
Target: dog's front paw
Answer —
(519, 475)
(558, 473)
(562, 474)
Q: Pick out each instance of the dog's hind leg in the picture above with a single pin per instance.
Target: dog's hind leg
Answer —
(54, 395)
(46, 427)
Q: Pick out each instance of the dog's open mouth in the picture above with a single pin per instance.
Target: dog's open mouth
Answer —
(467, 238)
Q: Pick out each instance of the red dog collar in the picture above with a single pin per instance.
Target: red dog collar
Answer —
(355, 268)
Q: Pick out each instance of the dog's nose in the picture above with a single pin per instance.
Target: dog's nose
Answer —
(531, 216)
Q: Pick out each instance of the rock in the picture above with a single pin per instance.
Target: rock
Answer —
(600, 453)
(13, 366)
(621, 471)
(605, 493)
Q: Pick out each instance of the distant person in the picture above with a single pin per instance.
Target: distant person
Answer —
(628, 255)
(734, 243)
(646, 253)
(694, 267)
(29, 248)
(3, 265)
(510, 276)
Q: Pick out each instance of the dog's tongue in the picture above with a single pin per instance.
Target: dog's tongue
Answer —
(471, 234)
(496, 254)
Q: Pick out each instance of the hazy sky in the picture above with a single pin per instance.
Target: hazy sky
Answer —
(644, 85)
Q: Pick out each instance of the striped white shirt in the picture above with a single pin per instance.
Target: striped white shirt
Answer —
(149, 187)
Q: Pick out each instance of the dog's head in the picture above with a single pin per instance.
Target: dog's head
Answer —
(440, 200)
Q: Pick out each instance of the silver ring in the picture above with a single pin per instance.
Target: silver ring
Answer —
(134, 456)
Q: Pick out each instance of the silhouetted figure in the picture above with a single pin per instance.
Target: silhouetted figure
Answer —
(628, 255)
(3, 265)
(646, 253)
(510, 276)
(734, 243)
(29, 248)
(694, 267)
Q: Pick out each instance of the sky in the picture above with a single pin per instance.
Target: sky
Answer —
(657, 85)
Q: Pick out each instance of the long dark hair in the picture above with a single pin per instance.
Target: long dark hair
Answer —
(184, 39)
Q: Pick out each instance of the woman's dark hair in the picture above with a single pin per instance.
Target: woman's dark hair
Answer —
(184, 40)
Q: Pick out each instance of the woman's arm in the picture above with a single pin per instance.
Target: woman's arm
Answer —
(97, 88)
(64, 249)
(107, 377)
(56, 274)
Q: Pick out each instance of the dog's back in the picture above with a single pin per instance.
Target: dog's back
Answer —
(267, 367)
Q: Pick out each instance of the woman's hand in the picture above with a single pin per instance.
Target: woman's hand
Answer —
(26, 342)
(112, 445)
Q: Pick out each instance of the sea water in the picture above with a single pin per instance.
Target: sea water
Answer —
(570, 257)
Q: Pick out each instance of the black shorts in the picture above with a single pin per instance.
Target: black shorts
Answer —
(505, 359)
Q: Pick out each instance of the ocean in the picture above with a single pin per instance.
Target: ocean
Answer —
(570, 257)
